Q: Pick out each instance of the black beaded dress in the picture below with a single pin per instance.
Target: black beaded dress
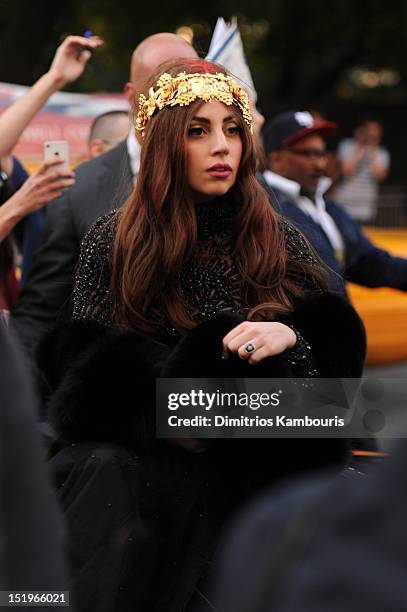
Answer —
(144, 517)
(210, 282)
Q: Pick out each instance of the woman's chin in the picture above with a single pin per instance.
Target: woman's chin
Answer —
(210, 194)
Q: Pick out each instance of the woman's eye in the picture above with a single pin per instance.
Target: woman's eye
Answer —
(233, 130)
(195, 131)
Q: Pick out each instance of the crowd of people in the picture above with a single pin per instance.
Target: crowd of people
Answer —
(195, 242)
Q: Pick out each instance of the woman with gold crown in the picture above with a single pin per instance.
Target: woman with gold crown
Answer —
(196, 276)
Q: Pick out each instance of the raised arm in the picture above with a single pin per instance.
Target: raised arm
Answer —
(379, 164)
(67, 66)
(350, 163)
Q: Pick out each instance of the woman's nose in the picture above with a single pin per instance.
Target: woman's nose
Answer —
(220, 142)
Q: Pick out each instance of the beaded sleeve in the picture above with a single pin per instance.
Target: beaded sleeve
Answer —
(299, 249)
(91, 294)
(300, 357)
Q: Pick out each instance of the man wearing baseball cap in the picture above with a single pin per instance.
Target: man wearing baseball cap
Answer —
(295, 146)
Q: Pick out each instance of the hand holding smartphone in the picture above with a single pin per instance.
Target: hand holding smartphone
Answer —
(54, 150)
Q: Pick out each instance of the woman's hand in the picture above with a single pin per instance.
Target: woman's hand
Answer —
(265, 338)
(45, 185)
(68, 64)
(41, 187)
(71, 58)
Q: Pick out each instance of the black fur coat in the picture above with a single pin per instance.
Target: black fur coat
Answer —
(101, 387)
(101, 381)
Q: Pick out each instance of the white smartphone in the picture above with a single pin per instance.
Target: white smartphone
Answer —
(54, 149)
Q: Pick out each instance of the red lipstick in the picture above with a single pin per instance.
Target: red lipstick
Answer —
(220, 170)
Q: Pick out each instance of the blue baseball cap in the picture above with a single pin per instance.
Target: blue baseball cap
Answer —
(286, 128)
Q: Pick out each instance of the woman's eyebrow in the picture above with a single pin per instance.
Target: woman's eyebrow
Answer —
(201, 119)
(207, 121)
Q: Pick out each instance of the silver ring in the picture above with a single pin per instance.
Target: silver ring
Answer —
(249, 347)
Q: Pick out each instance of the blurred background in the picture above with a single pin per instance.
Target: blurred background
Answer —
(339, 58)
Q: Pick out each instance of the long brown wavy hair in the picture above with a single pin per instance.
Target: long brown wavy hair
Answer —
(157, 228)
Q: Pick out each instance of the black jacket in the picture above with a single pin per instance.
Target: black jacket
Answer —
(365, 264)
(101, 184)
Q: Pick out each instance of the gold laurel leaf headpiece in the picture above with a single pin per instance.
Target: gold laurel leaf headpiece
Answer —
(183, 89)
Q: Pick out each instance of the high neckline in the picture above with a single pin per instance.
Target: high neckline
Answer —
(214, 216)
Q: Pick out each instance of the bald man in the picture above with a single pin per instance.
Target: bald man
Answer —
(150, 53)
(106, 131)
(101, 184)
